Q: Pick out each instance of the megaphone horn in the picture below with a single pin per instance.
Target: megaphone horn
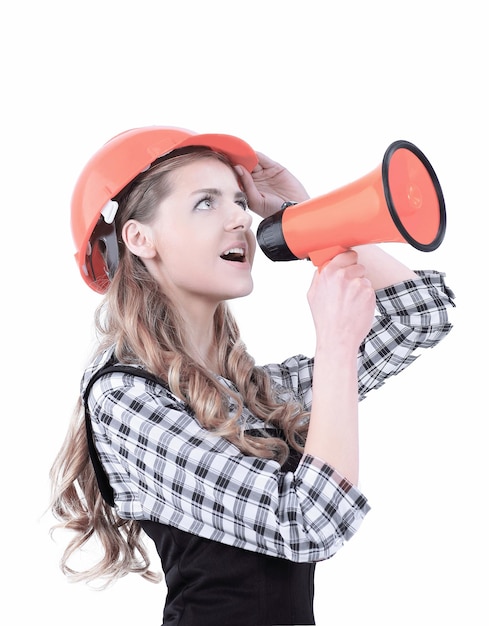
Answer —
(400, 201)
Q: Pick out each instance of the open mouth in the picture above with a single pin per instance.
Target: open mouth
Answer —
(234, 254)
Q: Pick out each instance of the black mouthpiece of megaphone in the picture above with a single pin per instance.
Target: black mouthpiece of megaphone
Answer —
(400, 201)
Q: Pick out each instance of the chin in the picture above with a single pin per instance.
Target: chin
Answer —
(241, 293)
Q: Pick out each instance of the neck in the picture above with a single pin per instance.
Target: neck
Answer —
(200, 339)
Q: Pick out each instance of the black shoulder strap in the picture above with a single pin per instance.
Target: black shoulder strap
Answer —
(102, 480)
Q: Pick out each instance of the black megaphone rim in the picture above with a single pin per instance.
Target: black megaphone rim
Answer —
(435, 243)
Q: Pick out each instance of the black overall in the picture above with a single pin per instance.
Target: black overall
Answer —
(212, 584)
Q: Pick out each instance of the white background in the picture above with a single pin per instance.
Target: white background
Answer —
(324, 88)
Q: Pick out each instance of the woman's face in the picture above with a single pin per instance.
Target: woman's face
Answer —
(203, 244)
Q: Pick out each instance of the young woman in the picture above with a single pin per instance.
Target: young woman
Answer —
(244, 476)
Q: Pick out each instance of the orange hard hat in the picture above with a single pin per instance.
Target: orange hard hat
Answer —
(110, 169)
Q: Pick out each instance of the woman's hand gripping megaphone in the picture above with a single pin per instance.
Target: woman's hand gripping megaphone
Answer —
(342, 302)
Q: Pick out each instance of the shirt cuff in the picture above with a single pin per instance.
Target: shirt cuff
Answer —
(323, 481)
(426, 293)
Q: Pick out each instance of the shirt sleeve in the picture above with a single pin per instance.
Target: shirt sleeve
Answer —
(165, 467)
(412, 315)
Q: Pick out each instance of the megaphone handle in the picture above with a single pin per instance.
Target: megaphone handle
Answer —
(321, 257)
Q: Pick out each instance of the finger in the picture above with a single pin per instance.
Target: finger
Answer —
(265, 161)
(245, 178)
(255, 199)
(349, 257)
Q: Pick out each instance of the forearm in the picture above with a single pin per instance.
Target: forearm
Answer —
(382, 269)
(333, 429)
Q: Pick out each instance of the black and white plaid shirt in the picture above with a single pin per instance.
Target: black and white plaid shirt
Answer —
(165, 467)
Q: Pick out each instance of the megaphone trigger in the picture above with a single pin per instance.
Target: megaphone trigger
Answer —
(400, 201)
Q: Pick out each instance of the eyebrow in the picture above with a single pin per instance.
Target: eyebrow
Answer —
(213, 191)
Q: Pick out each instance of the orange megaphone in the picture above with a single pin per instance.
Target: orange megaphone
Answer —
(400, 201)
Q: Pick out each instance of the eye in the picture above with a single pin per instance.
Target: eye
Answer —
(243, 203)
(205, 203)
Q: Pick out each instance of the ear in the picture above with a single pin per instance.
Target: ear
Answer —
(137, 238)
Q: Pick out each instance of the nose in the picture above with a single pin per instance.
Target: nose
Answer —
(238, 218)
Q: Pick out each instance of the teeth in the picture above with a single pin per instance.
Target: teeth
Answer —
(234, 254)
(234, 251)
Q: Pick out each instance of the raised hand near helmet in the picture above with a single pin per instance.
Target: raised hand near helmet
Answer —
(270, 185)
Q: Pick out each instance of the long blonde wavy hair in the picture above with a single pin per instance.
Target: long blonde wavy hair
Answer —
(146, 329)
